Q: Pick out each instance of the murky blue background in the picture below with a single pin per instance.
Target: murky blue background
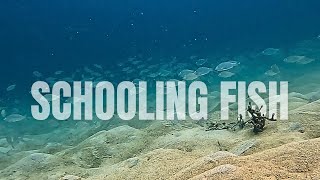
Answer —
(46, 35)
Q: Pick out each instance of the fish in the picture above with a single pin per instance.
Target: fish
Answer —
(227, 65)
(11, 87)
(144, 71)
(3, 113)
(97, 66)
(185, 72)
(270, 51)
(226, 74)
(58, 72)
(136, 62)
(305, 60)
(193, 57)
(14, 118)
(270, 73)
(190, 77)
(125, 69)
(273, 71)
(201, 71)
(37, 74)
(164, 73)
(201, 62)
(298, 60)
(293, 59)
(275, 68)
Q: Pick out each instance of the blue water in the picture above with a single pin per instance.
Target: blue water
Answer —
(73, 35)
(47, 36)
(43, 34)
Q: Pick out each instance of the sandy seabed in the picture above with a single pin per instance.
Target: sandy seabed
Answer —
(163, 150)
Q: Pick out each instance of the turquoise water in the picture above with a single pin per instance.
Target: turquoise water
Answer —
(144, 41)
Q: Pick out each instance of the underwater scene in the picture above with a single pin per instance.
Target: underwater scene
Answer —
(159, 90)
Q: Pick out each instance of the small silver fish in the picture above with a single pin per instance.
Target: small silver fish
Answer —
(14, 118)
(190, 77)
(227, 65)
(275, 68)
(293, 59)
(305, 60)
(201, 62)
(185, 72)
(58, 72)
(98, 66)
(270, 51)
(270, 73)
(164, 73)
(37, 74)
(226, 74)
(3, 113)
(201, 71)
(11, 87)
